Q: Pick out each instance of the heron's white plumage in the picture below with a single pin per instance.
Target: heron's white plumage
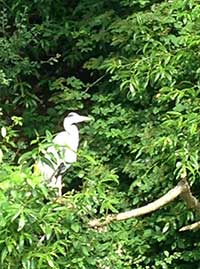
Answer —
(62, 152)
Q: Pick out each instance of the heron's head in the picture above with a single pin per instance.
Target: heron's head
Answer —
(74, 118)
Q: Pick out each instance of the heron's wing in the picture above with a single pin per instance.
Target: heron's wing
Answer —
(67, 144)
(49, 163)
(53, 155)
(45, 169)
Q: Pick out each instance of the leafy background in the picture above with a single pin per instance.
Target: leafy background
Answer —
(134, 66)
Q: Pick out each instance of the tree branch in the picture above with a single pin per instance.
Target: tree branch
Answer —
(190, 227)
(190, 200)
(182, 189)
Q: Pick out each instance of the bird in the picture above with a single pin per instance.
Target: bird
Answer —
(62, 153)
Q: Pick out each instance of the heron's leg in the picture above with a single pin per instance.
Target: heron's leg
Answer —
(59, 185)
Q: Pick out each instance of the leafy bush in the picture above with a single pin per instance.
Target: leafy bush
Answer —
(132, 65)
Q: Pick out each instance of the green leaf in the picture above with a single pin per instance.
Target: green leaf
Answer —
(50, 261)
(75, 227)
(4, 254)
(22, 222)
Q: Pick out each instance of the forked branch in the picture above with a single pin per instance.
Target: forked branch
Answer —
(182, 189)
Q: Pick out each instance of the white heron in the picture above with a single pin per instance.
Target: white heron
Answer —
(63, 152)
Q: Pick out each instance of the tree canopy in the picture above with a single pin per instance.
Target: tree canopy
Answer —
(134, 66)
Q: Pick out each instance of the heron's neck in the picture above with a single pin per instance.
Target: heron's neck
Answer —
(70, 128)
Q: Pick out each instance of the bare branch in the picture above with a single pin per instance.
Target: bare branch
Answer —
(190, 200)
(190, 227)
(181, 188)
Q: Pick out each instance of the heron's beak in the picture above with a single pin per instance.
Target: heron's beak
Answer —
(84, 118)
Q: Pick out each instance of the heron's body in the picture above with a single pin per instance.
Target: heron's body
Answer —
(62, 153)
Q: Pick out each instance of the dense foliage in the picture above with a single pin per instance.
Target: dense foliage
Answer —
(134, 66)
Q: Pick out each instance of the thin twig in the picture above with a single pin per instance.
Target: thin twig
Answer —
(94, 83)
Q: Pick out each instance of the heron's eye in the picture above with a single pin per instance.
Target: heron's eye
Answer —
(71, 114)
